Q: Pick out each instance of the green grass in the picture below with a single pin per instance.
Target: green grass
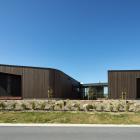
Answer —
(70, 117)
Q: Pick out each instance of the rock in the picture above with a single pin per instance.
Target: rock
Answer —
(132, 108)
(137, 108)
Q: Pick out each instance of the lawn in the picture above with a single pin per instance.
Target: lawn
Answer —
(70, 117)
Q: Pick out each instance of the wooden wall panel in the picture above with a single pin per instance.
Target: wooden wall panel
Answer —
(37, 81)
(66, 86)
(123, 81)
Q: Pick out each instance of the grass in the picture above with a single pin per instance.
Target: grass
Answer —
(70, 117)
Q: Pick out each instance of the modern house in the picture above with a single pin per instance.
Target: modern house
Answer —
(22, 82)
(124, 84)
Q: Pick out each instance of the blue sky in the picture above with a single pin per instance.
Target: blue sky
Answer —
(83, 38)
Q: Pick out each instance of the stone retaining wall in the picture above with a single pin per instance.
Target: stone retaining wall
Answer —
(70, 105)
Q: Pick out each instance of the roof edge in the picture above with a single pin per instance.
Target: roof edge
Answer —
(123, 70)
(35, 67)
(23, 66)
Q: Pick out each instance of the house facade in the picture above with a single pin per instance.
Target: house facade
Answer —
(22, 82)
(124, 84)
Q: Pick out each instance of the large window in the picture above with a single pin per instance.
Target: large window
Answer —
(10, 85)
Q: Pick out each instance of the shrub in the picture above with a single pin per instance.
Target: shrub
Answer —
(89, 107)
(60, 105)
(94, 107)
(120, 108)
(102, 108)
(50, 93)
(33, 105)
(77, 106)
(24, 106)
(43, 105)
(13, 106)
(2, 105)
(52, 107)
(127, 107)
(111, 108)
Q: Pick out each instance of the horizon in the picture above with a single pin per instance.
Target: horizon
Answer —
(82, 38)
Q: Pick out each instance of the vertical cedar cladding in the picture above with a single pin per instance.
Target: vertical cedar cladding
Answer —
(123, 81)
(65, 86)
(36, 82)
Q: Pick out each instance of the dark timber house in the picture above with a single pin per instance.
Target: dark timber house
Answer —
(124, 84)
(22, 82)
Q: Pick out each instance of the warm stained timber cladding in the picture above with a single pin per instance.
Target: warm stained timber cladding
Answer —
(36, 82)
(124, 81)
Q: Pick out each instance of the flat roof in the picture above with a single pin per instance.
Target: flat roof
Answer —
(21, 66)
(123, 70)
(95, 84)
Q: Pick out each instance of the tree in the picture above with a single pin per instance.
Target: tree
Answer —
(50, 93)
(91, 93)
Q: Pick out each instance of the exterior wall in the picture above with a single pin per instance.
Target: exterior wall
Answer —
(123, 81)
(65, 86)
(37, 81)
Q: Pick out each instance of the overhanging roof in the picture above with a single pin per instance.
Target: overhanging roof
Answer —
(95, 84)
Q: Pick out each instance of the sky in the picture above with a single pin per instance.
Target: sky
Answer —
(83, 38)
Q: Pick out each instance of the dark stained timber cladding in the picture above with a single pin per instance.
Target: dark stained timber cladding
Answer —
(65, 86)
(123, 82)
(36, 82)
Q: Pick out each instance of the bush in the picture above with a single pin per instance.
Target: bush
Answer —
(13, 106)
(127, 107)
(60, 105)
(52, 107)
(2, 105)
(24, 106)
(102, 108)
(90, 107)
(111, 108)
(75, 107)
(33, 105)
(43, 105)
(120, 108)
(94, 107)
